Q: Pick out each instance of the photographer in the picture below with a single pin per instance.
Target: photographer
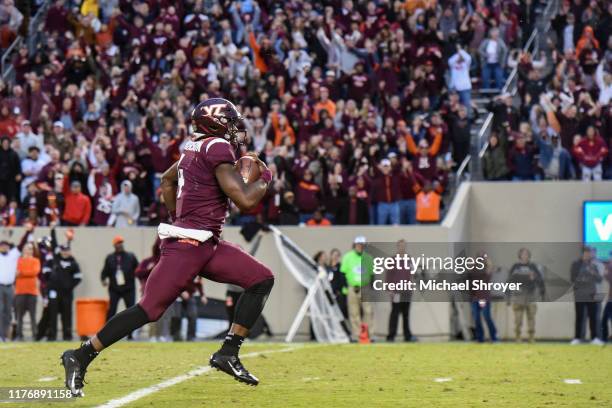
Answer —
(586, 275)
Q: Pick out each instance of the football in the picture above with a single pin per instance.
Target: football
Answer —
(248, 169)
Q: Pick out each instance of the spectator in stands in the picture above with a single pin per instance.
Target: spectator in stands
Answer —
(493, 53)
(307, 196)
(289, 212)
(118, 275)
(10, 21)
(590, 152)
(531, 290)
(386, 194)
(77, 210)
(586, 275)
(10, 169)
(428, 204)
(555, 161)
(30, 167)
(411, 184)
(460, 133)
(353, 209)
(126, 207)
(27, 139)
(99, 97)
(521, 159)
(459, 64)
(26, 286)
(318, 219)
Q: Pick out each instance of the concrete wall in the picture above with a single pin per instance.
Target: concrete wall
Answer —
(538, 212)
(481, 212)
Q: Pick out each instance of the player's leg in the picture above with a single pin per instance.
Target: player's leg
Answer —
(179, 264)
(230, 264)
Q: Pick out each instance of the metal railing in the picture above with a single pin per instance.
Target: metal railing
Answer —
(481, 143)
(6, 67)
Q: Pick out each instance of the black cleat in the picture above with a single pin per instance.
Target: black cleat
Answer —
(231, 365)
(75, 373)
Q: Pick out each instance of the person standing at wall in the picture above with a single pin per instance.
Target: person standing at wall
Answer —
(400, 300)
(26, 288)
(607, 313)
(338, 280)
(481, 301)
(47, 249)
(524, 300)
(118, 275)
(65, 275)
(351, 267)
(9, 256)
(586, 276)
(159, 330)
(186, 305)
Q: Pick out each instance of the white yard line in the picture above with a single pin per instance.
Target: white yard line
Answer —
(143, 392)
(572, 381)
(442, 379)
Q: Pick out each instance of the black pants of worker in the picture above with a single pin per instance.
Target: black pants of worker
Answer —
(129, 299)
(42, 328)
(398, 308)
(606, 318)
(25, 304)
(61, 304)
(128, 296)
(590, 309)
(184, 308)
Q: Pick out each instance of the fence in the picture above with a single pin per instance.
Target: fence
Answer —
(6, 67)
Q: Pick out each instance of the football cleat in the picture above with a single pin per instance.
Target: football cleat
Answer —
(75, 374)
(231, 365)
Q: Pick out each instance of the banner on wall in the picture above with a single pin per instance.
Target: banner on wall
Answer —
(597, 227)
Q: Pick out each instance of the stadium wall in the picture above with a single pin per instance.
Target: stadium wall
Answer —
(481, 212)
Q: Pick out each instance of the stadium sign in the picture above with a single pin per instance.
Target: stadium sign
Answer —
(597, 227)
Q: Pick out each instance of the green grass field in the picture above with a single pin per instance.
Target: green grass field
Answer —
(378, 375)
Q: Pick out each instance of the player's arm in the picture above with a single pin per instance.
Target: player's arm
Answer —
(245, 196)
(168, 188)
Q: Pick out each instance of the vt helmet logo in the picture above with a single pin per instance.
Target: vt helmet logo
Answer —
(213, 110)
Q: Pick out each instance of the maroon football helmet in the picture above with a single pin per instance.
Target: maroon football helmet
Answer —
(218, 117)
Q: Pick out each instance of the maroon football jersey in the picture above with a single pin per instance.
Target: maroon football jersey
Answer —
(200, 202)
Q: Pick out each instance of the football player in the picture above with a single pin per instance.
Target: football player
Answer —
(196, 190)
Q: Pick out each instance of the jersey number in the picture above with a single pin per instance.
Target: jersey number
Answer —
(181, 178)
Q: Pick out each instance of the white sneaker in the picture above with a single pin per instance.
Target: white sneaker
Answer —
(575, 341)
(597, 342)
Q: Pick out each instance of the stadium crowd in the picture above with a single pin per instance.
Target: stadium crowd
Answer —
(362, 109)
